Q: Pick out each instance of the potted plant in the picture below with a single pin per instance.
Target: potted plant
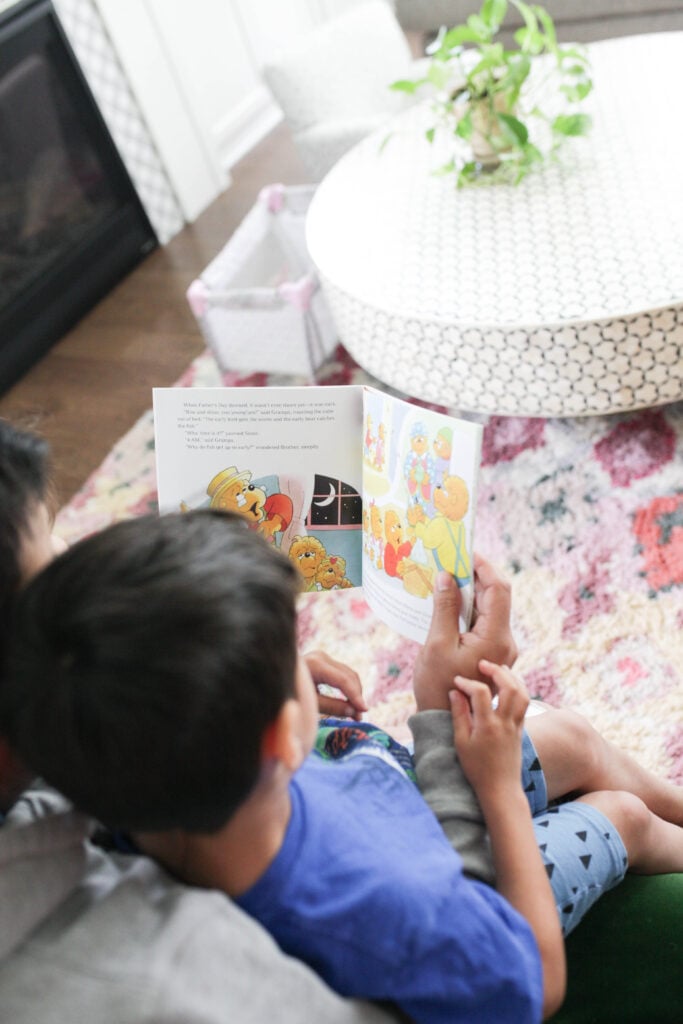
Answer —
(505, 110)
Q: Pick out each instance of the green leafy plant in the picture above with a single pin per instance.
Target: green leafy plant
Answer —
(505, 110)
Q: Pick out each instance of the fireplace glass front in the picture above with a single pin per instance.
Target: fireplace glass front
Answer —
(71, 224)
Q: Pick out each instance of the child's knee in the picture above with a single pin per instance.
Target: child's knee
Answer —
(627, 812)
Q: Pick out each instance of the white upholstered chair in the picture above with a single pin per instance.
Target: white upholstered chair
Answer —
(333, 88)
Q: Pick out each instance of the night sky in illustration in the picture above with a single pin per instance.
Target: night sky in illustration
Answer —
(334, 503)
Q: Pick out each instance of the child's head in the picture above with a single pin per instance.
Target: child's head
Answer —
(146, 666)
(25, 521)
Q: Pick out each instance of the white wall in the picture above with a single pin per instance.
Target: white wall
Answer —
(194, 68)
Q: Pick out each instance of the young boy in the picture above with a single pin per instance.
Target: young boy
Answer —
(154, 679)
(91, 935)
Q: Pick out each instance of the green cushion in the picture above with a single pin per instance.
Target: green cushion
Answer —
(625, 960)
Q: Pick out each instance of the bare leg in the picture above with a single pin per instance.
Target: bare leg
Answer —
(653, 846)
(576, 759)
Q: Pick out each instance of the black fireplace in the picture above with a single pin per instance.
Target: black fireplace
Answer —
(71, 223)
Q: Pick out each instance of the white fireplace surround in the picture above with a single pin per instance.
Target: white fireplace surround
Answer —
(179, 85)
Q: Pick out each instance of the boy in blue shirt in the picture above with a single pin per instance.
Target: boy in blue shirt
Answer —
(154, 679)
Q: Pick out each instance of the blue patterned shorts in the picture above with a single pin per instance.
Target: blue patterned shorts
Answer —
(583, 853)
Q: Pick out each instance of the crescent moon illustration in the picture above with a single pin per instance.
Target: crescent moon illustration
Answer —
(329, 500)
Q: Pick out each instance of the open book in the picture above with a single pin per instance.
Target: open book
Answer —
(356, 487)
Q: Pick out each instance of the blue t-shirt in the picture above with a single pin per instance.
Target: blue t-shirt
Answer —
(368, 891)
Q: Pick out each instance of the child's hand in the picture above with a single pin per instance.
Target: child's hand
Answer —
(488, 738)
(328, 672)
(447, 652)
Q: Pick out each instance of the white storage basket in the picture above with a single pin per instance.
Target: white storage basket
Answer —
(258, 303)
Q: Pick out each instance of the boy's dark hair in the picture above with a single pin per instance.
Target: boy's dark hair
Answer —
(24, 484)
(146, 664)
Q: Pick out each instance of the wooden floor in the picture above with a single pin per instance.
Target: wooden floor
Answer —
(96, 381)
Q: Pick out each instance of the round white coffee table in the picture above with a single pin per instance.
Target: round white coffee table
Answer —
(560, 296)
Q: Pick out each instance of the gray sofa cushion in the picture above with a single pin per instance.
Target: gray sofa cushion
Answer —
(592, 19)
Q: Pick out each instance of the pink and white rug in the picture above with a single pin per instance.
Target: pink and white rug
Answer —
(585, 516)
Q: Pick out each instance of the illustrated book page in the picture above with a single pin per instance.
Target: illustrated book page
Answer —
(287, 459)
(420, 471)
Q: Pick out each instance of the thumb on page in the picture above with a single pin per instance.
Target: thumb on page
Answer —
(446, 610)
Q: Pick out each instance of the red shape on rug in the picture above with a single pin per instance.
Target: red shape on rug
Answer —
(395, 667)
(232, 379)
(506, 436)
(339, 369)
(587, 595)
(636, 447)
(542, 682)
(659, 529)
(148, 503)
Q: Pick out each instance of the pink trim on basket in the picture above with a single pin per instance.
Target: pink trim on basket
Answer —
(299, 293)
(197, 296)
(273, 196)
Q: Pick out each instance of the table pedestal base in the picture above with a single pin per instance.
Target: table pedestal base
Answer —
(605, 366)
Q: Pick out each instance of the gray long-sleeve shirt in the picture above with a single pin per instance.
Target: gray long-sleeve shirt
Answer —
(449, 794)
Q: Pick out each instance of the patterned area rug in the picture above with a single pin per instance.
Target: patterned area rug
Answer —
(585, 515)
